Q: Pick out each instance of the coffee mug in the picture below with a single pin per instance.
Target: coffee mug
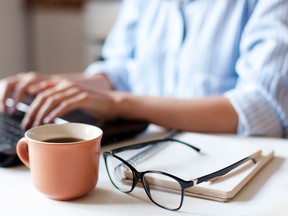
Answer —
(63, 158)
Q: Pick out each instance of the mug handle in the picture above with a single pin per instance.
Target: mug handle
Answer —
(22, 151)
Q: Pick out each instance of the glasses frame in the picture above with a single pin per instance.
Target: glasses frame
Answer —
(184, 184)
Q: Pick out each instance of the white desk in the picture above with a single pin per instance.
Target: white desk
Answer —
(265, 194)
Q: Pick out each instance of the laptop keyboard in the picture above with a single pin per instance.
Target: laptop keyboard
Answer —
(11, 131)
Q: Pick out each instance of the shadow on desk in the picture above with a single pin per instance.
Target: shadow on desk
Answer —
(259, 180)
(107, 197)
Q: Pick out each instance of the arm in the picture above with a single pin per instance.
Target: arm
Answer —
(260, 97)
(211, 114)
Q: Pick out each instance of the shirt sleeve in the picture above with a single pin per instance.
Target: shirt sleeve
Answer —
(261, 94)
(118, 50)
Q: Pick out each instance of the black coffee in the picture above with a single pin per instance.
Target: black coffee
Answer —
(63, 140)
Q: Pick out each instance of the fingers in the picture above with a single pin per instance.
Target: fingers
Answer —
(65, 107)
(7, 86)
(19, 92)
(25, 81)
(44, 104)
(16, 87)
(41, 86)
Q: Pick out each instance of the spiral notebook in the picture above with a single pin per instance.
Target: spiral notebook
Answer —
(216, 153)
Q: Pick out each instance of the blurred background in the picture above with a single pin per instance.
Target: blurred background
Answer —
(53, 36)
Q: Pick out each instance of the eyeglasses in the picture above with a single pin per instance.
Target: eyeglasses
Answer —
(120, 164)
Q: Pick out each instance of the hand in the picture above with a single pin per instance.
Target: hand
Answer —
(18, 86)
(66, 96)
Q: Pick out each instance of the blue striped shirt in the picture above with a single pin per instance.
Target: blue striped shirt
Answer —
(198, 48)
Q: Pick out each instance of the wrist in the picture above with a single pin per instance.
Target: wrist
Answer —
(123, 106)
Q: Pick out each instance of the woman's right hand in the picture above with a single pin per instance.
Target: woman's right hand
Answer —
(17, 87)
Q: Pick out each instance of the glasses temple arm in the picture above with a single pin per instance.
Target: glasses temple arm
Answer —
(224, 171)
(184, 143)
(154, 142)
(173, 133)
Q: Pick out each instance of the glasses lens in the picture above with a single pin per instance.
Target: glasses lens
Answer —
(120, 174)
(157, 185)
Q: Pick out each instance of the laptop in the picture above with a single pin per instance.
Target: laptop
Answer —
(10, 132)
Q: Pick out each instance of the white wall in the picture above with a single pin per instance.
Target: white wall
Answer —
(12, 37)
(58, 41)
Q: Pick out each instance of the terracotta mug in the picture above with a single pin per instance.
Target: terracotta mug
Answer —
(63, 158)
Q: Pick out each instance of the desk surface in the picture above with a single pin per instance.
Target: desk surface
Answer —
(265, 194)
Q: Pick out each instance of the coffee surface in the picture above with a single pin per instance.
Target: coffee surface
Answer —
(63, 140)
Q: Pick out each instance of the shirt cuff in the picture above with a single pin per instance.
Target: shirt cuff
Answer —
(115, 71)
(256, 115)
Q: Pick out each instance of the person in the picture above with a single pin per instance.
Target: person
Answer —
(202, 66)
